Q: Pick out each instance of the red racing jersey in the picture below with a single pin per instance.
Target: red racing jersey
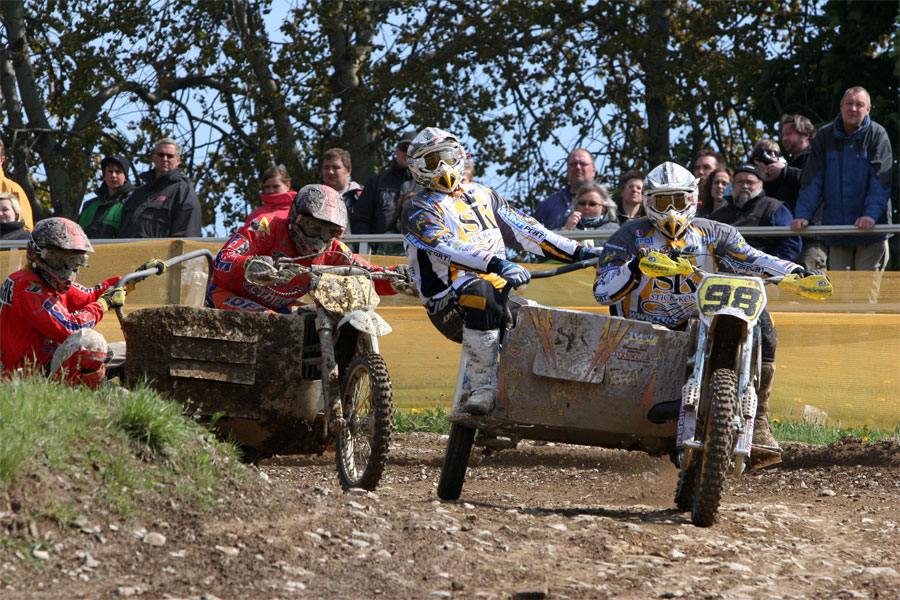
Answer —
(271, 238)
(35, 318)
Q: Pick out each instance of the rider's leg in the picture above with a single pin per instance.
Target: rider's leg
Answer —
(765, 449)
(473, 314)
(80, 359)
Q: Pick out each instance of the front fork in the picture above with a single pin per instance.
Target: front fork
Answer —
(331, 382)
(686, 443)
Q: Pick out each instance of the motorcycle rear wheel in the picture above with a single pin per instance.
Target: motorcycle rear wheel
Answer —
(361, 448)
(456, 461)
(719, 442)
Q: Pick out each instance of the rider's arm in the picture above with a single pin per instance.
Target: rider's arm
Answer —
(44, 311)
(736, 255)
(615, 276)
(337, 255)
(525, 233)
(249, 241)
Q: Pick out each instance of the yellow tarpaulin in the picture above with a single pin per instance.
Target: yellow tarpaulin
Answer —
(838, 361)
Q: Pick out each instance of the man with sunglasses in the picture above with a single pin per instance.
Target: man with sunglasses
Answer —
(670, 202)
(312, 230)
(456, 237)
(165, 205)
(47, 320)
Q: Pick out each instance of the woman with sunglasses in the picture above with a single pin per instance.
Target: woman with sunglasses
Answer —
(312, 230)
(592, 210)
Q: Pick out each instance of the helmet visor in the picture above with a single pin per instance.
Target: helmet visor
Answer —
(63, 260)
(450, 156)
(314, 228)
(677, 200)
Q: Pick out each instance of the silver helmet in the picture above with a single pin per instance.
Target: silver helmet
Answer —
(670, 198)
(437, 160)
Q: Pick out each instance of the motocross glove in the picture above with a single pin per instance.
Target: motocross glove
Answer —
(154, 263)
(404, 286)
(584, 253)
(259, 269)
(402, 270)
(634, 265)
(513, 273)
(804, 272)
(113, 297)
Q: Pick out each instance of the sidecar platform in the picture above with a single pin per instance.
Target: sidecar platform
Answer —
(259, 372)
(585, 378)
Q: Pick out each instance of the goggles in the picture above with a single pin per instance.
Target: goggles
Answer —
(586, 203)
(316, 228)
(677, 200)
(63, 259)
(450, 156)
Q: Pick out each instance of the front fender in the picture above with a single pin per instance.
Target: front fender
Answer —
(366, 321)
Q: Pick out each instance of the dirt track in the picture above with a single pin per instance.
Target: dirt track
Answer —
(548, 521)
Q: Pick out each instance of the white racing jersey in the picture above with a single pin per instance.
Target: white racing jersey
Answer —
(671, 301)
(451, 237)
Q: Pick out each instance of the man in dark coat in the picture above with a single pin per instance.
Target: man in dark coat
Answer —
(165, 206)
(101, 216)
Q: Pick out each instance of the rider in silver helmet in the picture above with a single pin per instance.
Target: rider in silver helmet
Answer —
(455, 236)
(670, 203)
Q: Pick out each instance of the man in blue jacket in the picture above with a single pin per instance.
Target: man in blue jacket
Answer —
(849, 172)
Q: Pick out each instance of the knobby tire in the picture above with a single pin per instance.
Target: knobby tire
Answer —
(362, 447)
(719, 441)
(687, 487)
(456, 461)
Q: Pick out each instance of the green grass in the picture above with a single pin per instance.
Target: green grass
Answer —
(125, 450)
(802, 431)
(434, 421)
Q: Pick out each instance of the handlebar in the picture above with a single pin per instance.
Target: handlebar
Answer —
(561, 270)
(141, 275)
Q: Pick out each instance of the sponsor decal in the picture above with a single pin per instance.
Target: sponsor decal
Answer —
(61, 316)
(643, 241)
(33, 288)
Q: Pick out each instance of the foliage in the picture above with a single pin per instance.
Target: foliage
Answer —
(634, 82)
(803, 431)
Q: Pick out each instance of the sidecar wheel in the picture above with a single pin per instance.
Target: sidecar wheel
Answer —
(456, 461)
(719, 437)
(361, 448)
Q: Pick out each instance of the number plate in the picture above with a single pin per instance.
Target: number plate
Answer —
(735, 293)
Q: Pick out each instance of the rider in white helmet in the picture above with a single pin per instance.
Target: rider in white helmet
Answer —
(455, 236)
(670, 203)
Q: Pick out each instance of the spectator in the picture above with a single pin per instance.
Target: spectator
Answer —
(165, 205)
(551, 212)
(750, 207)
(377, 209)
(12, 227)
(101, 216)
(848, 172)
(592, 210)
(631, 186)
(782, 182)
(336, 170)
(11, 187)
(276, 194)
(712, 191)
(766, 152)
(469, 175)
(708, 161)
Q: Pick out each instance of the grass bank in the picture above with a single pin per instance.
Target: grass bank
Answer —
(65, 449)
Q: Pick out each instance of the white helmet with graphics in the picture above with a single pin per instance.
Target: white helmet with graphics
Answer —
(670, 199)
(437, 160)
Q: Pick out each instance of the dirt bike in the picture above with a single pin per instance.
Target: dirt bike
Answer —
(279, 383)
(718, 401)
(592, 379)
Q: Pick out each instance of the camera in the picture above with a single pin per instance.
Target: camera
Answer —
(766, 157)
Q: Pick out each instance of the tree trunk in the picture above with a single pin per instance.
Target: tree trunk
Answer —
(656, 82)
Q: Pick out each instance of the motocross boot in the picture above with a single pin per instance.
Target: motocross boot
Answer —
(765, 450)
(482, 352)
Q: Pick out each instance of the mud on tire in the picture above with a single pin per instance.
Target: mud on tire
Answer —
(719, 440)
(361, 448)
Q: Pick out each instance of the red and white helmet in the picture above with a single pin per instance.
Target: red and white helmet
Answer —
(56, 250)
(437, 160)
(329, 218)
(670, 198)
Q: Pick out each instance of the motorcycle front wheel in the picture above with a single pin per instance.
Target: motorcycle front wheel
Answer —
(362, 446)
(718, 445)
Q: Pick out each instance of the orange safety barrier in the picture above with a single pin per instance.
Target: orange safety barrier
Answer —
(838, 361)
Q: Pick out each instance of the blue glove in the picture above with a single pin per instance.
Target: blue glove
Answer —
(584, 253)
(513, 273)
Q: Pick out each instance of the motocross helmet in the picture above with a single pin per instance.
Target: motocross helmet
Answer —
(437, 160)
(317, 216)
(56, 250)
(670, 199)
